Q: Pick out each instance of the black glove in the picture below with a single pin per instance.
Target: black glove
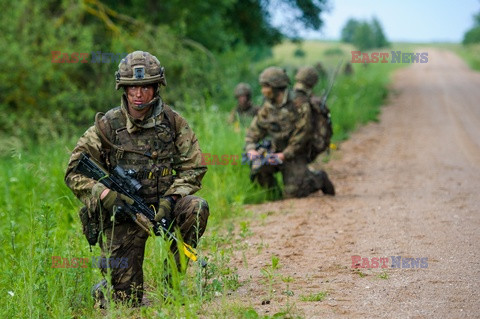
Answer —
(114, 199)
(165, 208)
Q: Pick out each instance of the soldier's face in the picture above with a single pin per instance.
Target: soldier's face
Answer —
(242, 99)
(138, 95)
(267, 92)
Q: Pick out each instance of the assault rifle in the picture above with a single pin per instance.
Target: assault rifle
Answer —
(323, 101)
(122, 182)
(265, 148)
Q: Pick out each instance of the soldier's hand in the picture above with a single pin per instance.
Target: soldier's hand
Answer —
(111, 199)
(277, 159)
(253, 154)
(165, 207)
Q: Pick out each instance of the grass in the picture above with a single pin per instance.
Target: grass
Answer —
(40, 219)
(383, 275)
(471, 55)
(314, 297)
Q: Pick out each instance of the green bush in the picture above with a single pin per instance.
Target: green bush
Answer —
(472, 36)
(333, 51)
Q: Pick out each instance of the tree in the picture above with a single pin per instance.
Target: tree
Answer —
(473, 35)
(221, 24)
(379, 37)
(364, 35)
(348, 30)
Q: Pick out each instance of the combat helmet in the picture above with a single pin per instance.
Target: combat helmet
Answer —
(275, 77)
(242, 89)
(139, 68)
(308, 76)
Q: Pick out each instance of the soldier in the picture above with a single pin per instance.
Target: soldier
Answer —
(306, 79)
(286, 123)
(322, 74)
(348, 70)
(143, 134)
(245, 110)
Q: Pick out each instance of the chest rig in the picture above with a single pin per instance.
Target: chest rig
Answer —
(147, 151)
(279, 123)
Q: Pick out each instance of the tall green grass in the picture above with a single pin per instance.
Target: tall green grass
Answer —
(39, 215)
(471, 54)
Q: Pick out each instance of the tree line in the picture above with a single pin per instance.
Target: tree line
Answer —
(364, 35)
(205, 46)
(473, 35)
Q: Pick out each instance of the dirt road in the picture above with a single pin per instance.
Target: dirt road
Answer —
(408, 186)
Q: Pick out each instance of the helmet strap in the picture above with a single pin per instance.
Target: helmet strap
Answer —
(140, 107)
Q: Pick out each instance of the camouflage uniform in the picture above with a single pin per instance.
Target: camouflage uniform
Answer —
(289, 128)
(174, 148)
(306, 78)
(348, 70)
(245, 112)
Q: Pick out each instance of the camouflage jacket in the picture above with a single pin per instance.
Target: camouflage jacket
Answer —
(185, 158)
(287, 125)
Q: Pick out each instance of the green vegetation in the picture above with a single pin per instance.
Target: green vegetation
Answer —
(471, 44)
(383, 275)
(363, 34)
(315, 297)
(471, 54)
(473, 35)
(46, 80)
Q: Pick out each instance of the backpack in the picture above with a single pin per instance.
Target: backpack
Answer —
(322, 128)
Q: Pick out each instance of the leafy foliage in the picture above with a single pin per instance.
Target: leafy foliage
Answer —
(195, 41)
(232, 21)
(364, 35)
(473, 35)
(348, 30)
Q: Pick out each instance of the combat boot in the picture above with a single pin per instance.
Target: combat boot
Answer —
(99, 295)
(327, 186)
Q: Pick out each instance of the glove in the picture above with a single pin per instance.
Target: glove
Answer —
(113, 199)
(165, 207)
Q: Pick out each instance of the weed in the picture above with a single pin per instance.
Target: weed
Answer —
(245, 229)
(360, 273)
(383, 275)
(314, 297)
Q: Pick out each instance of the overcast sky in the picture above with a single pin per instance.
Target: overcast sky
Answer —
(405, 20)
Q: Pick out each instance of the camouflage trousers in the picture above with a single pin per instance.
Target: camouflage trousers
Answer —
(298, 179)
(126, 241)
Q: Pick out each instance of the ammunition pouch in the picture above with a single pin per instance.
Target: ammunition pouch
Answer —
(90, 225)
